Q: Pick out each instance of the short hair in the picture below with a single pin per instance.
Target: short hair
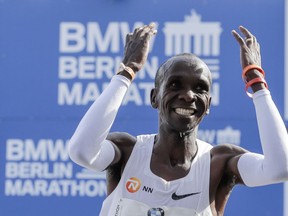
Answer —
(166, 66)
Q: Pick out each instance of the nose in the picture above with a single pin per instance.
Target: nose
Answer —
(188, 96)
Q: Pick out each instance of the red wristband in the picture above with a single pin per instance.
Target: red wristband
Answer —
(251, 67)
(253, 81)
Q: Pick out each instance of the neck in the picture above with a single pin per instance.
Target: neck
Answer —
(182, 134)
(178, 147)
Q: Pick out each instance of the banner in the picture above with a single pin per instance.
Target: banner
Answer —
(56, 57)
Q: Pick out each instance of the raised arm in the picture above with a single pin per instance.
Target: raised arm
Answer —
(272, 166)
(88, 146)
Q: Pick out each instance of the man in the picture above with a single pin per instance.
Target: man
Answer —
(184, 175)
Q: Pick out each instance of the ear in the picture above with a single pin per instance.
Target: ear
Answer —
(208, 108)
(153, 98)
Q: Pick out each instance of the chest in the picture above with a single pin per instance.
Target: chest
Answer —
(188, 188)
(168, 170)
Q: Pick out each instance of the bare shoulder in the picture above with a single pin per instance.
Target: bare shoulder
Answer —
(123, 143)
(227, 150)
(224, 158)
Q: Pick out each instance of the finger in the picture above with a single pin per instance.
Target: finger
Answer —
(152, 28)
(137, 32)
(246, 32)
(154, 32)
(258, 46)
(250, 38)
(238, 38)
(148, 31)
(152, 25)
(249, 41)
(128, 37)
(255, 40)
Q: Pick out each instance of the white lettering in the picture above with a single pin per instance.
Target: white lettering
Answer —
(67, 67)
(14, 149)
(72, 37)
(133, 95)
(35, 152)
(147, 87)
(106, 65)
(69, 96)
(207, 135)
(38, 170)
(150, 68)
(215, 94)
(57, 150)
(39, 187)
(111, 38)
(90, 67)
(43, 150)
(77, 95)
(76, 37)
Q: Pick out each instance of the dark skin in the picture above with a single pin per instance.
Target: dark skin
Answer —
(182, 98)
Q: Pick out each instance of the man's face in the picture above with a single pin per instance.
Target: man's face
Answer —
(183, 98)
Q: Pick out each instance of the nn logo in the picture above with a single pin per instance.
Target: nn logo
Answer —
(147, 189)
(133, 184)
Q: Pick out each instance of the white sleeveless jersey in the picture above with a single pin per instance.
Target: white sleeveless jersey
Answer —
(142, 193)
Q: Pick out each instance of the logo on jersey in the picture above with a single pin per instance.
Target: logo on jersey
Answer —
(178, 197)
(156, 212)
(133, 184)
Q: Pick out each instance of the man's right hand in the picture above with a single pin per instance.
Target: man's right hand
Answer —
(137, 46)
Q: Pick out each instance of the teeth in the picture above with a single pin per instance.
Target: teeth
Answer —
(184, 112)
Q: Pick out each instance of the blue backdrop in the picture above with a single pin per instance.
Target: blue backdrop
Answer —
(57, 56)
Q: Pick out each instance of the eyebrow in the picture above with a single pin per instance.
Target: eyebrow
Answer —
(203, 80)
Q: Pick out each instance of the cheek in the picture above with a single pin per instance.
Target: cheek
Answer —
(163, 102)
(204, 102)
(206, 98)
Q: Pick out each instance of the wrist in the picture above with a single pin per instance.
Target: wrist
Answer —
(256, 84)
(252, 71)
(254, 78)
(252, 74)
(125, 74)
(126, 71)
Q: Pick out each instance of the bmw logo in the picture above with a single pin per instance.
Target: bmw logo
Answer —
(155, 212)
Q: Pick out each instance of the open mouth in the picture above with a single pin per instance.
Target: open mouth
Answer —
(184, 112)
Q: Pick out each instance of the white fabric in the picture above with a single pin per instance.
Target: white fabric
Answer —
(148, 190)
(127, 207)
(104, 157)
(87, 141)
(272, 166)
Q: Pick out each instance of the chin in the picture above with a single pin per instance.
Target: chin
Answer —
(189, 129)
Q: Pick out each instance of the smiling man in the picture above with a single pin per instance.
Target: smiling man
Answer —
(172, 172)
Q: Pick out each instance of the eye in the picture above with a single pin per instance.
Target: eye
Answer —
(201, 88)
(175, 85)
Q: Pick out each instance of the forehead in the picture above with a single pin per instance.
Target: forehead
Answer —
(186, 63)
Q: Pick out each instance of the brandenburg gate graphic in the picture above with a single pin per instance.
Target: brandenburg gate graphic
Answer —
(192, 35)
